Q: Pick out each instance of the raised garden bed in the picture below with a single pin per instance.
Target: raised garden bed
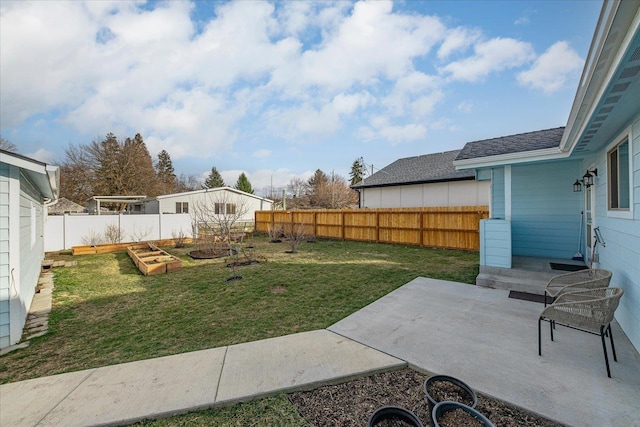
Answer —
(151, 260)
(104, 248)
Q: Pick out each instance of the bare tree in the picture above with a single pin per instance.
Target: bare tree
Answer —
(187, 183)
(7, 145)
(113, 233)
(332, 192)
(217, 220)
(298, 190)
(295, 235)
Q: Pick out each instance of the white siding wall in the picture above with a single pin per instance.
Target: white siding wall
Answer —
(456, 193)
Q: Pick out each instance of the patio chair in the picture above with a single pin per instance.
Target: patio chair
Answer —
(576, 281)
(588, 310)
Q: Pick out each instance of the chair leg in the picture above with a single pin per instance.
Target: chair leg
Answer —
(552, 325)
(604, 348)
(613, 348)
(539, 336)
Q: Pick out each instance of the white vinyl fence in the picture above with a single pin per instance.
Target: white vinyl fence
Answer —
(64, 231)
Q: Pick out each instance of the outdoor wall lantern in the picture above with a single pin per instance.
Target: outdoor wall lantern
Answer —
(587, 179)
(577, 186)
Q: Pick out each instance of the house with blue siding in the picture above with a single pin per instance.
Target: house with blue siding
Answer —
(574, 192)
(27, 186)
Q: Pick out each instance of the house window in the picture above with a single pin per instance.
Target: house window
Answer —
(182, 207)
(618, 171)
(225, 209)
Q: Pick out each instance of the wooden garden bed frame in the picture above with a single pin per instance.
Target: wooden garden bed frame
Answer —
(151, 260)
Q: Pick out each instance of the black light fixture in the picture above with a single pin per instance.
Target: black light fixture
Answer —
(587, 179)
(577, 186)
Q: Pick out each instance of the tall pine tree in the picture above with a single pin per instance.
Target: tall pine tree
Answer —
(165, 173)
(214, 180)
(243, 184)
(357, 171)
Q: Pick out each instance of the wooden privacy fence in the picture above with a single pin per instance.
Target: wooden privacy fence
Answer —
(440, 227)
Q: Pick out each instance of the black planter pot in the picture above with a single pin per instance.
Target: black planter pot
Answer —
(445, 378)
(443, 407)
(394, 413)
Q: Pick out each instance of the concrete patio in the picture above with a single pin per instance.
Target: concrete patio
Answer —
(490, 341)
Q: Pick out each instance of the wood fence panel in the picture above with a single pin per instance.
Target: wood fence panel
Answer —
(439, 227)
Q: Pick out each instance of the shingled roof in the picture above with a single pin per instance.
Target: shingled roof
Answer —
(435, 167)
(530, 141)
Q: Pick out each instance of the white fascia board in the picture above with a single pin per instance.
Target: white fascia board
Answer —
(510, 159)
(569, 144)
(22, 163)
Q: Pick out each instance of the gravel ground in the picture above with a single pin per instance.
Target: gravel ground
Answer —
(352, 403)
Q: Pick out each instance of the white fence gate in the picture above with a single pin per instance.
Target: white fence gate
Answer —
(64, 231)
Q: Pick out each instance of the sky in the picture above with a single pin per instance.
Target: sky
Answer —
(278, 90)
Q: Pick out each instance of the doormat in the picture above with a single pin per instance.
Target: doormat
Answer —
(526, 296)
(567, 267)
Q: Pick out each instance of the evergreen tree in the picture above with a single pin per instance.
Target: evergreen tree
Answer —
(243, 184)
(214, 180)
(357, 171)
(165, 173)
(316, 186)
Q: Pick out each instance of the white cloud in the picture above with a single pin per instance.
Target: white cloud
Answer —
(465, 106)
(553, 68)
(457, 39)
(261, 154)
(371, 43)
(43, 155)
(493, 55)
(381, 127)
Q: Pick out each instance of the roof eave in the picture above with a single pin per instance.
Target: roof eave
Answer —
(577, 126)
(553, 153)
(431, 181)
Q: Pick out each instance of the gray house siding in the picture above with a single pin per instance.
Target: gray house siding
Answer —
(545, 213)
(5, 274)
(31, 254)
(21, 250)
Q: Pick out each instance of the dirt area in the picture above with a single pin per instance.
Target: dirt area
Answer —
(352, 403)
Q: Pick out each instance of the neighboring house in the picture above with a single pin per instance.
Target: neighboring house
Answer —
(550, 194)
(428, 180)
(224, 199)
(27, 186)
(66, 206)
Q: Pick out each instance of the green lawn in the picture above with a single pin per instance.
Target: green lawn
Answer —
(105, 312)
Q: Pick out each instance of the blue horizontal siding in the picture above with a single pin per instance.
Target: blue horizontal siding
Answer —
(545, 210)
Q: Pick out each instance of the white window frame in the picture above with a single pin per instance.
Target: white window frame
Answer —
(617, 212)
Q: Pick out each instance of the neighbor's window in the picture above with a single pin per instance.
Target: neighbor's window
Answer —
(219, 208)
(231, 209)
(182, 207)
(618, 167)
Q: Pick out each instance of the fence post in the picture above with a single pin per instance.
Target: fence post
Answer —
(421, 227)
(315, 224)
(342, 224)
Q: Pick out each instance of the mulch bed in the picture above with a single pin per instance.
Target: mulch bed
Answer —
(352, 403)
